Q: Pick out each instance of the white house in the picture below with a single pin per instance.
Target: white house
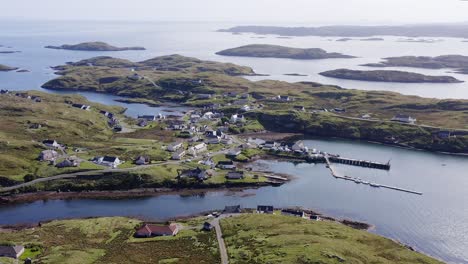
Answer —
(236, 118)
(174, 146)
(299, 146)
(108, 161)
(404, 119)
(197, 149)
(271, 144)
(245, 108)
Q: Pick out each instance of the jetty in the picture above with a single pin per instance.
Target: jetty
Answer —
(360, 181)
(327, 158)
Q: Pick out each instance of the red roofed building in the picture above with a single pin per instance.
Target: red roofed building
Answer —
(149, 230)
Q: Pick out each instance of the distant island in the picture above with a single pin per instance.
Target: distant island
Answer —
(4, 68)
(275, 51)
(295, 74)
(388, 76)
(372, 39)
(93, 46)
(427, 30)
(9, 51)
(458, 62)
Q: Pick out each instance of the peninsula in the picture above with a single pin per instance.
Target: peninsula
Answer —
(304, 107)
(388, 76)
(6, 68)
(275, 51)
(243, 237)
(432, 30)
(93, 46)
(458, 62)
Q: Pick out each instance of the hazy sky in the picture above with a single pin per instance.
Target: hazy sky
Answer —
(317, 11)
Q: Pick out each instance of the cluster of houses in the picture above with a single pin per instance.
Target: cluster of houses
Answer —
(269, 209)
(82, 106)
(33, 98)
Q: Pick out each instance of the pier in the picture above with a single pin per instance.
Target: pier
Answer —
(359, 181)
(327, 158)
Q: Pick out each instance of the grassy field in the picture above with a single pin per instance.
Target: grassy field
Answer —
(109, 240)
(283, 239)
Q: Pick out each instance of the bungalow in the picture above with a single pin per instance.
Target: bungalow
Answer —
(48, 155)
(237, 119)
(82, 106)
(444, 134)
(11, 251)
(195, 118)
(204, 96)
(315, 217)
(147, 117)
(233, 153)
(283, 98)
(108, 161)
(235, 175)
(245, 108)
(366, 116)
(178, 155)
(291, 212)
(339, 110)
(230, 94)
(226, 165)
(213, 140)
(271, 144)
(148, 230)
(299, 108)
(67, 163)
(142, 160)
(265, 209)
(174, 146)
(135, 77)
(207, 226)
(142, 123)
(51, 143)
(234, 209)
(404, 119)
(197, 173)
(299, 146)
(241, 102)
(197, 149)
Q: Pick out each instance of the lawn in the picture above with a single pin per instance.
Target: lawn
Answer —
(259, 238)
(109, 240)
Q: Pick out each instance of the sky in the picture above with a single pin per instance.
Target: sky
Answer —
(249, 11)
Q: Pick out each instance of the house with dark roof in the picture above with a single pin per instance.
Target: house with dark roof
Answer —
(300, 108)
(265, 209)
(67, 163)
(292, 212)
(197, 173)
(142, 123)
(142, 160)
(51, 143)
(82, 106)
(226, 165)
(234, 209)
(149, 230)
(207, 226)
(147, 117)
(233, 153)
(11, 251)
(283, 98)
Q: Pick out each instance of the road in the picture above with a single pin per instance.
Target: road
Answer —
(219, 236)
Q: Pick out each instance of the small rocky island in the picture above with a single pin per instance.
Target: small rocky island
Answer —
(388, 76)
(275, 51)
(458, 62)
(93, 46)
(4, 68)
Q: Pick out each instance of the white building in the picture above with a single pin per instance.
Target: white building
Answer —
(404, 119)
(197, 149)
(51, 143)
(174, 146)
(108, 161)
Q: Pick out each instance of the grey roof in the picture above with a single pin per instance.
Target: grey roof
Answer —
(10, 250)
(109, 159)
